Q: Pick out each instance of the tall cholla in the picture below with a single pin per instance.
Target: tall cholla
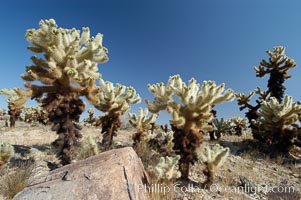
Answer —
(189, 116)
(67, 71)
(16, 101)
(277, 122)
(142, 123)
(6, 152)
(213, 158)
(278, 66)
(114, 101)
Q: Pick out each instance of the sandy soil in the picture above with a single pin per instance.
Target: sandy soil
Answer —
(244, 165)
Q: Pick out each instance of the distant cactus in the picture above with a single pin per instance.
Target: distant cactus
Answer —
(278, 66)
(2, 113)
(16, 101)
(32, 114)
(91, 120)
(221, 126)
(277, 122)
(213, 158)
(190, 116)
(114, 101)
(142, 123)
(240, 125)
(6, 152)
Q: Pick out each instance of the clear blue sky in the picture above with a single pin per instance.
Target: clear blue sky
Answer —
(149, 41)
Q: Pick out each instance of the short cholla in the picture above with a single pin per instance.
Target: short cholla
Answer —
(239, 125)
(142, 123)
(6, 152)
(190, 116)
(16, 102)
(167, 169)
(91, 120)
(114, 101)
(213, 158)
(68, 70)
(277, 122)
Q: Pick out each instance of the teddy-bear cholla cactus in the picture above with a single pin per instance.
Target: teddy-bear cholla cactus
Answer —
(240, 125)
(191, 115)
(16, 101)
(167, 169)
(213, 158)
(277, 66)
(114, 101)
(244, 102)
(277, 122)
(67, 71)
(91, 120)
(141, 122)
(6, 152)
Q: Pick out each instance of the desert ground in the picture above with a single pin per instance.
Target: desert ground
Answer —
(246, 174)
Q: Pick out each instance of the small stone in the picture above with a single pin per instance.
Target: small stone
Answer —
(296, 175)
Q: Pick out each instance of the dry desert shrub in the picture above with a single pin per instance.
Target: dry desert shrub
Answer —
(15, 180)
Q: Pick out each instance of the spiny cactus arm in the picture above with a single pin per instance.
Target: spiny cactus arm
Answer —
(195, 107)
(278, 61)
(166, 168)
(263, 95)
(215, 156)
(66, 51)
(162, 95)
(275, 114)
(17, 97)
(115, 99)
(220, 155)
(141, 121)
(244, 101)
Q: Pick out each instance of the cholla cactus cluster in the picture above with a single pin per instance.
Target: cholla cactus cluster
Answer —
(167, 168)
(277, 121)
(189, 116)
(34, 114)
(16, 101)
(278, 66)
(114, 101)
(213, 158)
(6, 152)
(142, 123)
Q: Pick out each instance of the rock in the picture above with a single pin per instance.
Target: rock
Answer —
(116, 174)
